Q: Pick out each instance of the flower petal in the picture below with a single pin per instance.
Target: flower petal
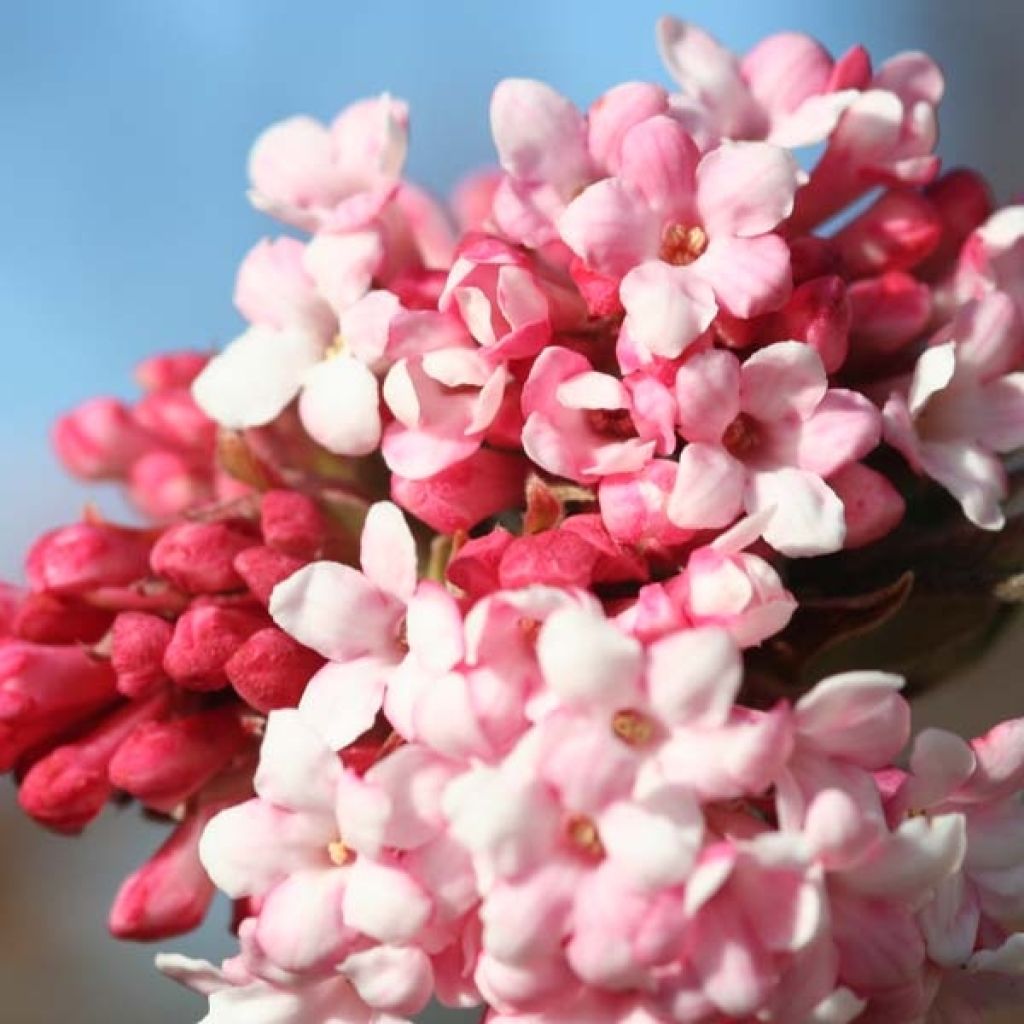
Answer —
(340, 406)
(388, 550)
(708, 491)
(808, 517)
(667, 307)
(749, 276)
(344, 698)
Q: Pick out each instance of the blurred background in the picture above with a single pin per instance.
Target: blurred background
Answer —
(126, 128)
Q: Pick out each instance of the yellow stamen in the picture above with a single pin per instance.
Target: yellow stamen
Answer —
(632, 727)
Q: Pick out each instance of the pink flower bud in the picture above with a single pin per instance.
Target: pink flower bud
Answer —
(11, 599)
(75, 559)
(199, 557)
(163, 763)
(100, 439)
(173, 417)
(46, 618)
(462, 495)
(69, 786)
(888, 313)
(476, 567)
(263, 568)
(292, 523)
(600, 292)
(963, 201)
(171, 893)
(873, 506)
(205, 638)
(895, 233)
(139, 643)
(270, 670)
(556, 558)
(818, 312)
(164, 484)
(170, 370)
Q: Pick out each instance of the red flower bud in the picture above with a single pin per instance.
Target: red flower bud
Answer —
(263, 568)
(164, 763)
(11, 599)
(476, 567)
(67, 788)
(199, 557)
(100, 440)
(873, 506)
(86, 556)
(204, 639)
(888, 313)
(962, 200)
(292, 523)
(170, 370)
(174, 419)
(171, 893)
(462, 495)
(271, 670)
(48, 619)
(139, 643)
(895, 233)
(163, 484)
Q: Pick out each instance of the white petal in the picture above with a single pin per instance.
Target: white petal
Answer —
(340, 406)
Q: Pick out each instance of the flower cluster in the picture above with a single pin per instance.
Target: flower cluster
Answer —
(485, 676)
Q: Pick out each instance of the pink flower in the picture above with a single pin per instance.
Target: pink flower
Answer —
(578, 422)
(767, 434)
(963, 405)
(783, 90)
(550, 151)
(685, 233)
(335, 178)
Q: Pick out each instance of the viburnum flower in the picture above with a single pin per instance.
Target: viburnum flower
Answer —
(474, 653)
(686, 233)
(964, 406)
(766, 434)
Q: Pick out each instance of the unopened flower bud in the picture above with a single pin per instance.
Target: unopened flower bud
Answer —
(292, 523)
(873, 507)
(889, 312)
(171, 893)
(163, 763)
(67, 788)
(199, 557)
(47, 618)
(85, 556)
(262, 568)
(139, 643)
(173, 417)
(170, 370)
(270, 670)
(100, 439)
(204, 639)
(462, 495)
(163, 484)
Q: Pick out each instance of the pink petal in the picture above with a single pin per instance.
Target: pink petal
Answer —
(844, 428)
(974, 477)
(708, 395)
(659, 160)
(337, 611)
(343, 266)
(340, 406)
(746, 188)
(397, 979)
(654, 840)
(587, 661)
(858, 717)
(708, 491)
(694, 676)
(255, 378)
(782, 378)
(434, 627)
(343, 699)
(421, 454)
(613, 114)
(299, 926)
(667, 307)
(786, 69)
(384, 903)
(249, 848)
(914, 77)
(749, 276)
(297, 769)
(933, 373)
(808, 515)
(388, 550)
(709, 73)
(540, 135)
(365, 325)
(611, 228)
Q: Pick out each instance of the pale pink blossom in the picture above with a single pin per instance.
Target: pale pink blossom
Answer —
(767, 434)
(783, 90)
(334, 178)
(964, 405)
(686, 233)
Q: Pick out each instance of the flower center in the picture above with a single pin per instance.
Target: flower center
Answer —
(583, 835)
(634, 728)
(402, 633)
(615, 423)
(336, 347)
(339, 853)
(681, 245)
(742, 436)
